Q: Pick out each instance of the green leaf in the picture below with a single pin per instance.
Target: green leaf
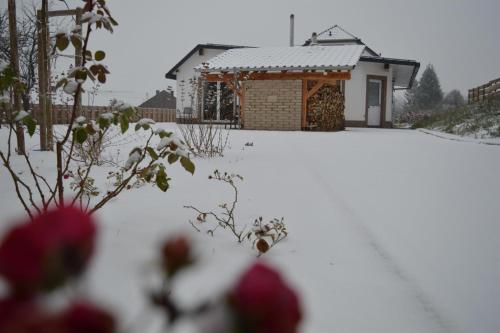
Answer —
(113, 21)
(30, 124)
(77, 43)
(103, 122)
(152, 153)
(81, 75)
(124, 124)
(101, 77)
(187, 165)
(107, 25)
(128, 112)
(94, 69)
(99, 55)
(80, 135)
(137, 127)
(162, 180)
(172, 158)
(62, 42)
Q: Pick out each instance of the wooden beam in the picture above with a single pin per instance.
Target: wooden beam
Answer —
(242, 105)
(281, 76)
(54, 13)
(304, 105)
(315, 89)
(231, 86)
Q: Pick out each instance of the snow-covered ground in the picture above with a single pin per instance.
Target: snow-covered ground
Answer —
(390, 230)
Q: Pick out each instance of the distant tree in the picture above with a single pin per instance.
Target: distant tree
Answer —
(428, 95)
(453, 99)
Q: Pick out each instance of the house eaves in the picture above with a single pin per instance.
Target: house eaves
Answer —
(410, 66)
(171, 74)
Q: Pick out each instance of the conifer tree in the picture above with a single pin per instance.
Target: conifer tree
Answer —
(429, 95)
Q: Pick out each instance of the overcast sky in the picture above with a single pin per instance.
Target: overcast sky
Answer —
(460, 37)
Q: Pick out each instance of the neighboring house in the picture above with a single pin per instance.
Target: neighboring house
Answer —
(332, 81)
(183, 72)
(161, 100)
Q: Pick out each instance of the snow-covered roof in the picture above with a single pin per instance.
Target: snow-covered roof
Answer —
(172, 72)
(286, 58)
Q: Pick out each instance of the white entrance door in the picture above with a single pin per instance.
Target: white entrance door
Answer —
(374, 102)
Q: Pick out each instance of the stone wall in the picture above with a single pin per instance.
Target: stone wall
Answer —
(273, 105)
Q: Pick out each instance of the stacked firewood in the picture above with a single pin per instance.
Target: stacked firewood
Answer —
(326, 109)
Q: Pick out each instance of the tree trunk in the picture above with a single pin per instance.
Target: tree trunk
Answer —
(48, 106)
(14, 62)
(42, 81)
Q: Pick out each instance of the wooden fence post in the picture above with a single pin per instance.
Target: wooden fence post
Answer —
(14, 63)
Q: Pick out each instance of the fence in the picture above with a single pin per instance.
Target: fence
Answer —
(62, 113)
(484, 92)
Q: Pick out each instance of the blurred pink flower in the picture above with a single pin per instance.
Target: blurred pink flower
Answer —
(261, 302)
(44, 253)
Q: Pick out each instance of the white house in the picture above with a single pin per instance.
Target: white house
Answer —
(332, 81)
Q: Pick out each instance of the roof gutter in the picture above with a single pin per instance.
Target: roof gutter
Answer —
(392, 61)
(274, 69)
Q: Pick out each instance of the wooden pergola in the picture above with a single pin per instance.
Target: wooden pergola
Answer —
(235, 79)
(44, 82)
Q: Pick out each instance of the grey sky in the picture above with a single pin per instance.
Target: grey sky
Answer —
(460, 37)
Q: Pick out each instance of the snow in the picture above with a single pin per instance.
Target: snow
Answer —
(389, 230)
(3, 65)
(92, 17)
(107, 116)
(286, 58)
(63, 31)
(448, 136)
(166, 141)
(133, 158)
(80, 119)
(21, 115)
(146, 121)
(71, 87)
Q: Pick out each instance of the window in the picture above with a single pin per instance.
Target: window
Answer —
(374, 91)
(217, 102)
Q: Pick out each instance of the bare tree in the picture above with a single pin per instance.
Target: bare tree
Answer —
(27, 49)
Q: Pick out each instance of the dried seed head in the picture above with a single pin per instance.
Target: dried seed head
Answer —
(262, 246)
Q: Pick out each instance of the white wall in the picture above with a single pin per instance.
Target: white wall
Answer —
(355, 90)
(185, 73)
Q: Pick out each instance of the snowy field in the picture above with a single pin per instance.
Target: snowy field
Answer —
(390, 230)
